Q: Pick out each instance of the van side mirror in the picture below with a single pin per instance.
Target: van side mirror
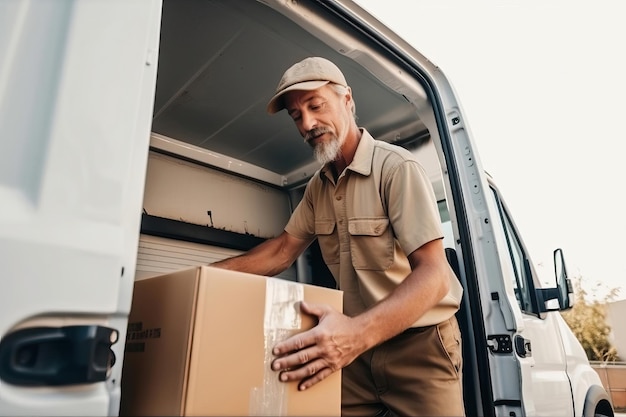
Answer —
(563, 283)
(547, 297)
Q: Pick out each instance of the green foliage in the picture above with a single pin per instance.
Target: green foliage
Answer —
(587, 319)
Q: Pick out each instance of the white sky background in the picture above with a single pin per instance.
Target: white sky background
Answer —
(543, 87)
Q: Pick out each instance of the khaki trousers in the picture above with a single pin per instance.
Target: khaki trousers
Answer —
(417, 373)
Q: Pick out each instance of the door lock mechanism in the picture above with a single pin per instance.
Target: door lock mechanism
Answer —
(523, 347)
(38, 356)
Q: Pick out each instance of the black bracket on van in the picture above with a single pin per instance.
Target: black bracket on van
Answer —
(40, 356)
(500, 343)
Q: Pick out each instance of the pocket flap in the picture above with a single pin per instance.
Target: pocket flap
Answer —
(368, 227)
(324, 227)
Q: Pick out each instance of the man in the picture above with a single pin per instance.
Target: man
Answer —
(374, 212)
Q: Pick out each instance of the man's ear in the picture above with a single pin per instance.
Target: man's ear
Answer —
(348, 95)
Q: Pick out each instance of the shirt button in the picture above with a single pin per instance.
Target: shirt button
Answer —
(338, 197)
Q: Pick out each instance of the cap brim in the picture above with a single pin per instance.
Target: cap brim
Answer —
(277, 103)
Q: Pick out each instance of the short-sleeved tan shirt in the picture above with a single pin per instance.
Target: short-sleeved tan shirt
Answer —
(381, 208)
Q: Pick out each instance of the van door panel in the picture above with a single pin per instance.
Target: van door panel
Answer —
(77, 84)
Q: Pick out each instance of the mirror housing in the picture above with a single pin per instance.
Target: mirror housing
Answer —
(563, 290)
(563, 282)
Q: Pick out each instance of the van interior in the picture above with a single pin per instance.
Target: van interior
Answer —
(223, 174)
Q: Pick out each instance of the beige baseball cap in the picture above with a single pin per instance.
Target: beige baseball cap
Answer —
(308, 74)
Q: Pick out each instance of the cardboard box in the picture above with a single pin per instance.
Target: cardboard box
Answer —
(199, 343)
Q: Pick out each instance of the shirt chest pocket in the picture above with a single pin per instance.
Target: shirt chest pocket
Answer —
(328, 238)
(371, 243)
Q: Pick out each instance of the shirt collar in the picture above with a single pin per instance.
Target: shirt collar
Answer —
(362, 161)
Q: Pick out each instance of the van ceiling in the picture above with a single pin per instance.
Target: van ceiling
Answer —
(219, 62)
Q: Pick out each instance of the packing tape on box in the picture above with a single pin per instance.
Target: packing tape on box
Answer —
(282, 317)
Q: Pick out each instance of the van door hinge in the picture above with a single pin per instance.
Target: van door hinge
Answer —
(500, 343)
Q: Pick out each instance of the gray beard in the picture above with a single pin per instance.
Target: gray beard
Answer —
(327, 151)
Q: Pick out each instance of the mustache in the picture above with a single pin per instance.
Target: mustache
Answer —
(313, 133)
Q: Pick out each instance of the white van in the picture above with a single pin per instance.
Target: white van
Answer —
(135, 141)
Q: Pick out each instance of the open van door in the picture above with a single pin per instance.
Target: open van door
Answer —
(77, 84)
(532, 338)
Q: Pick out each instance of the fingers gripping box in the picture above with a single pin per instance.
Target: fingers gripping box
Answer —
(199, 343)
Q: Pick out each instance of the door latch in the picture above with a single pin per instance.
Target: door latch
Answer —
(522, 347)
(38, 356)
